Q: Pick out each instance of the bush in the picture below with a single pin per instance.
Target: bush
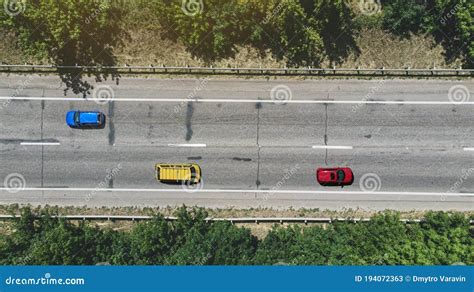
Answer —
(301, 32)
(441, 239)
(403, 17)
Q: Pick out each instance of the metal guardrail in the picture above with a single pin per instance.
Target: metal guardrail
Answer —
(309, 71)
(255, 220)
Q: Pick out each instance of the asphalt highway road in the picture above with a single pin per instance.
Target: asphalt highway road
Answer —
(252, 152)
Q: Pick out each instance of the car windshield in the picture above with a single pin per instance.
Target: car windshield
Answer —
(340, 175)
(76, 118)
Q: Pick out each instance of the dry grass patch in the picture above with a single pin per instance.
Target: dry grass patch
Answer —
(377, 49)
(380, 49)
(214, 213)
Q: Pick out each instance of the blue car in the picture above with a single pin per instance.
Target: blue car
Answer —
(85, 120)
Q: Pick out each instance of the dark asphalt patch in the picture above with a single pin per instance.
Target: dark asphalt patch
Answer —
(195, 158)
(111, 123)
(241, 159)
(189, 117)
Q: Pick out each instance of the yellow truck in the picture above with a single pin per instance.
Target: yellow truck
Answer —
(178, 173)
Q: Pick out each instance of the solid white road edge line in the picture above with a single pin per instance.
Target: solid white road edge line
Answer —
(40, 144)
(242, 191)
(468, 149)
(245, 101)
(187, 145)
(331, 147)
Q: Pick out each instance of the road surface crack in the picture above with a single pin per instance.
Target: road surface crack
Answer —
(258, 106)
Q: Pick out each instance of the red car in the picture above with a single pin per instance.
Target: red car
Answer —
(339, 176)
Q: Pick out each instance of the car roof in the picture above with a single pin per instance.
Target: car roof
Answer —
(88, 117)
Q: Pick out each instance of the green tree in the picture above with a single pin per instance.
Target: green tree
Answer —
(194, 249)
(43, 240)
(447, 236)
(403, 17)
(302, 33)
(210, 31)
(188, 219)
(291, 34)
(313, 247)
(67, 33)
(60, 245)
(230, 244)
(40, 238)
(191, 246)
(451, 22)
(374, 242)
(13, 247)
(150, 242)
(210, 243)
(278, 246)
(337, 28)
